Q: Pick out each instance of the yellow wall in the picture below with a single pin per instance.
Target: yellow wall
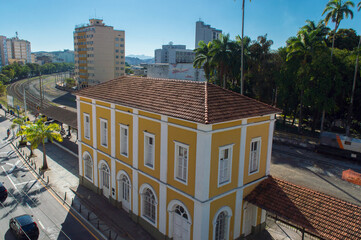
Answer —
(150, 115)
(188, 203)
(141, 180)
(124, 119)
(153, 128)
(85, 99)
(262, 131)
(258, 119)
(103, 113)
(182, 123)
(102, 103)
(226, 125)
(188, 138)
(220, 139)
(86, 108)
(125, 109)
(228, 200)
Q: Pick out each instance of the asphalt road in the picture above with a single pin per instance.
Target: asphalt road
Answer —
(27, 195)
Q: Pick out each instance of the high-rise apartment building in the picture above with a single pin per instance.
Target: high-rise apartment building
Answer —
(99, 53)
(174, 54)
(206, 33)
(18, 50)
(3, 52)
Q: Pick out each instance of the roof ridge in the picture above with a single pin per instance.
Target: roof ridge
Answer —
(316, 192)
(206, 120)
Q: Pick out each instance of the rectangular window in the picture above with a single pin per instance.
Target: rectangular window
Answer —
(181, 162)
(149, 150)
(225, 164)
(124, 140)
(86, 126)
(104, 132)
(254, 155)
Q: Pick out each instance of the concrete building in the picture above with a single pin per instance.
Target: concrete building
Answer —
(167, 153)
(66, 56)
(182, 71)
(18, 50)
(3, 51)
(174, 54)
(206, 33)
(99, 53)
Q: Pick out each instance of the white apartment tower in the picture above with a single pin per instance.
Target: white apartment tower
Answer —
(14, 50)
(206, 33)
(99, 53)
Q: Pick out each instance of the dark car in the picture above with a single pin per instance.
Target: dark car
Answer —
(24, 227)
(3, 193)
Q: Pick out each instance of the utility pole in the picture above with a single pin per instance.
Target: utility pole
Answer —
(25, 97)
(41, 97)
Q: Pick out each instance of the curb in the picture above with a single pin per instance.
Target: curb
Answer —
(57, 195)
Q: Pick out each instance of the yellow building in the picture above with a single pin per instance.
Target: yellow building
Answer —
(99, 52)
(179, 156)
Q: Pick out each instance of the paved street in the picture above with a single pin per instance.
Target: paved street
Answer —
(28, 195)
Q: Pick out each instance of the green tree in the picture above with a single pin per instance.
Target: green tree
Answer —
(221, 54)
(344, 39)
(336, 11)
(203, 58)
(20, 122)
(36, 133)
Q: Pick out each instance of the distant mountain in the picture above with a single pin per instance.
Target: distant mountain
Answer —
(137, 61)
(142, 57)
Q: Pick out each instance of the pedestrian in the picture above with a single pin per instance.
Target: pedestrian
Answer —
(8, 132)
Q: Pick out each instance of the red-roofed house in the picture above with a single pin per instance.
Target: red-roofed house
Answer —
(179, 156)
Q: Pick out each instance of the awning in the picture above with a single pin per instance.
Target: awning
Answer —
(62, 115)
(319, 214)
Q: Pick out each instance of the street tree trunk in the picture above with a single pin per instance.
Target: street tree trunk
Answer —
(45, 163)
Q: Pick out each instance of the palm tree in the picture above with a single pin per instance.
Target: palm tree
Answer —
(221, 55)
(303, 48)
(38, 132)
(19, 122)
(203, 58)
(336, 11)
(242, 48)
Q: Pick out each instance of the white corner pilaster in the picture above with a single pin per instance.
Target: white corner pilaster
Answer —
(113, 176)
(242, 153)
(95, 167)
(201, 220)
(238, 214)
(203, 166)
(135, 192)
(80, 159)
(163, 149)
(270, 141)
(112, 130)
(135, 138)
(94, 118)
(263, 216)
(78, 117)
(162, 208)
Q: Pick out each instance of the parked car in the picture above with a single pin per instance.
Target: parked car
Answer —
(24, 227)
(3, 193)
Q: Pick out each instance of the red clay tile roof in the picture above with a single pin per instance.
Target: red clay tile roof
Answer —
(194, 101)
(320, 214)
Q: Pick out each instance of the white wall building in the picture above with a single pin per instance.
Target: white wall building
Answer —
(206, 33)
(174, 54)
(182, 71)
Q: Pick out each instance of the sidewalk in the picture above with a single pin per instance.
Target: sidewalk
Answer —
(62, 177)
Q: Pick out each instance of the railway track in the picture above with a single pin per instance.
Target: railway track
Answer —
(32, 100)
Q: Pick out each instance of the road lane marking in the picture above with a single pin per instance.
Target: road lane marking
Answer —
(56, 198)
(42, 226)
(25, 182)
(27, 204)
(9, 178)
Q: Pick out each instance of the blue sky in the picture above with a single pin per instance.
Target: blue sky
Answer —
(49, 24)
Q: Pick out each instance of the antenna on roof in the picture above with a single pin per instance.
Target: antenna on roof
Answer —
(17, 35)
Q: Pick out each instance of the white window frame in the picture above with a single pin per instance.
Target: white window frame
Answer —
(86, 126)
(228, 211)
(149, 135)
(176, 145)
(142, 190)
(85, 166)
(101, 133)
(259, 140)
(230, 157)
(120, 139)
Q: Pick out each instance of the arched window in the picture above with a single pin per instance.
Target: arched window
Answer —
(221, 226)
(180, 211)
(149, 205)
(88, 166)
(125, 187)
(105, 175)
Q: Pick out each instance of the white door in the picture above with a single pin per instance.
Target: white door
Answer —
(105, 179)
(124, 190)
(248, 219)
(181, 226)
